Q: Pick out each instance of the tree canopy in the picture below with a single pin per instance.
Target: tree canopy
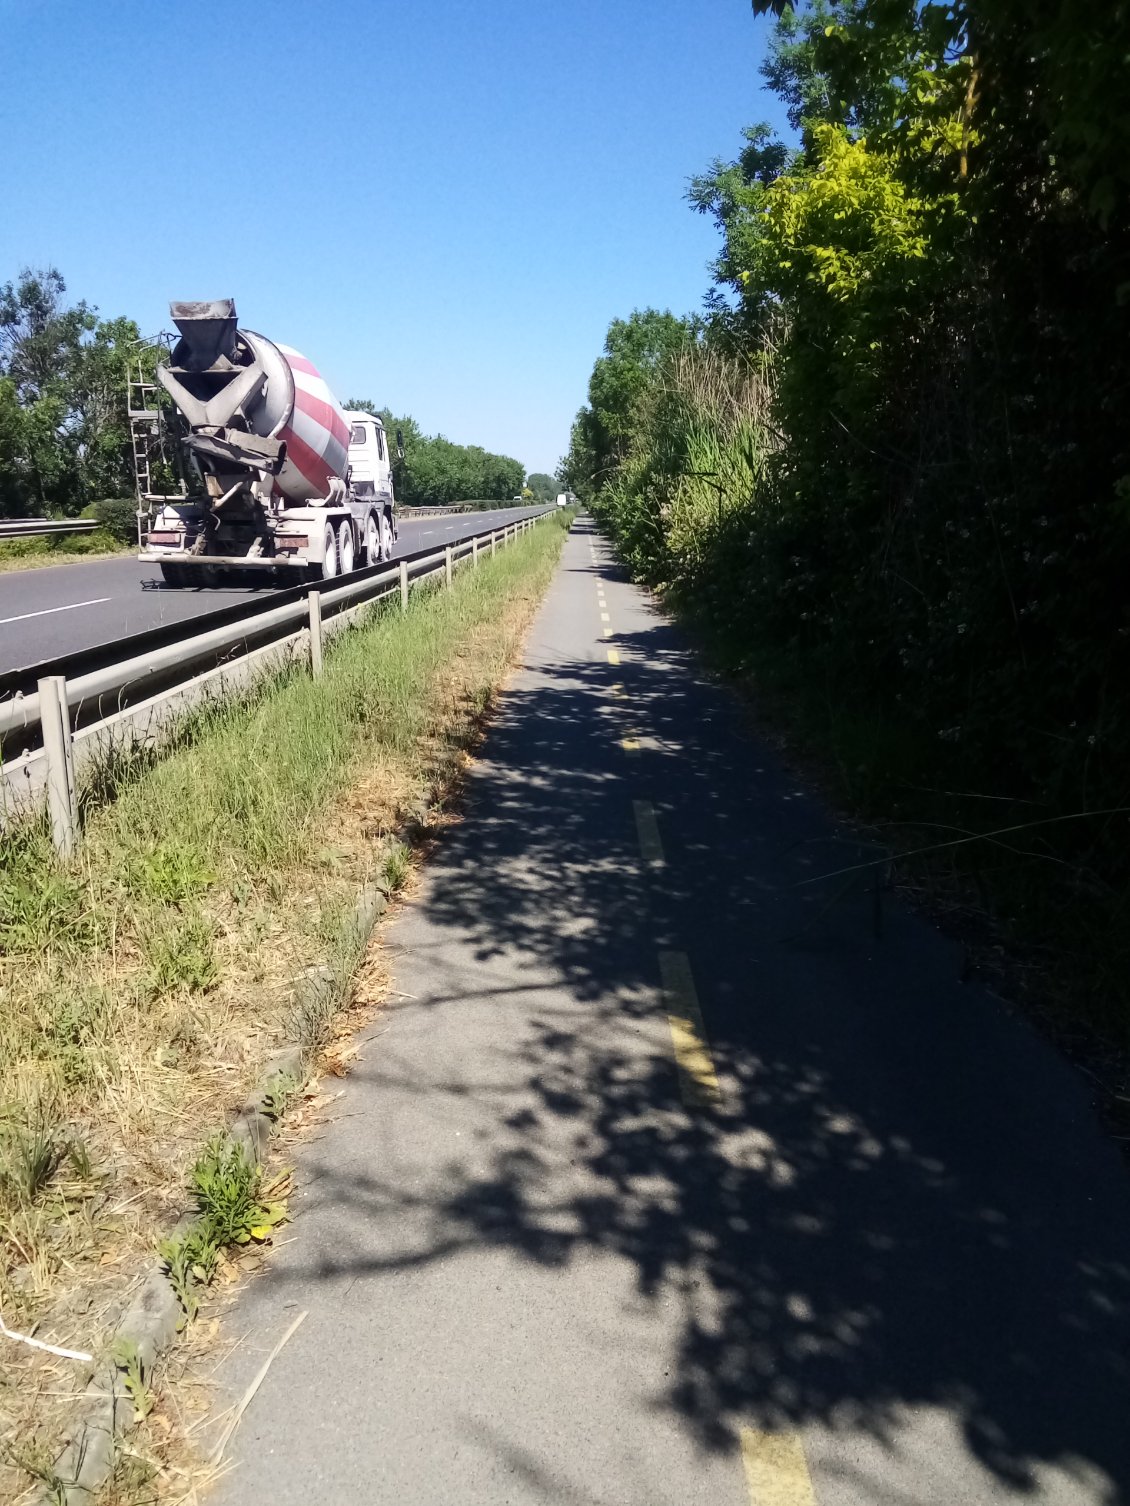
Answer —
(64, 434)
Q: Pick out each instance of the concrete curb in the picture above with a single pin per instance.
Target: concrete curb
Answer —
(150, 1324)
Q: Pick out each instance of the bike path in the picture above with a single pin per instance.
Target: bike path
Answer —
(676, 1171)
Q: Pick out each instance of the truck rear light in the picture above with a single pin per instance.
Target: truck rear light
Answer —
(288, 543)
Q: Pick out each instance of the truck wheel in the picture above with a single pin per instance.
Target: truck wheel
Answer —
(346, 547)
(373, 552)
(386, 537)
(330, 567)
(174, 575)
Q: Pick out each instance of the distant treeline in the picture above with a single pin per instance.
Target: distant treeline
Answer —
(888, 467)
(435, 471)
(64, 431)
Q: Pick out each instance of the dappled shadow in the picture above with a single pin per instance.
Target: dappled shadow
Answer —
(902, 1201)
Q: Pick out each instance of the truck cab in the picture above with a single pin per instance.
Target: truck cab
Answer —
(370, 466)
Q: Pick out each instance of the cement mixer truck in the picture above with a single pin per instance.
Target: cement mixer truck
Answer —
(245, 462)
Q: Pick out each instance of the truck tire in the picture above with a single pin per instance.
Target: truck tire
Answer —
(328, 570)
(346, 548)
(386, 537)
(174, 574)
(373, 555)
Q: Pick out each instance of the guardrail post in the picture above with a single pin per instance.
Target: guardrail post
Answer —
(404, 585)
(474, 553)
(314, 601)
(62, 803)
(492, 538)
(447, 566)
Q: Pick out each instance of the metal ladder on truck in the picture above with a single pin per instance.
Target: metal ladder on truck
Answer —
(147, 428)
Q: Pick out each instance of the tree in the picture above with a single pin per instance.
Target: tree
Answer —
(64, 432)
(544, 488)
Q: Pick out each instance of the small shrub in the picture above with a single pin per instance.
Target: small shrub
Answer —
(116, 516)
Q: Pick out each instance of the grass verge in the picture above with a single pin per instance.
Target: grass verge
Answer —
(61, 549)
(143, 988)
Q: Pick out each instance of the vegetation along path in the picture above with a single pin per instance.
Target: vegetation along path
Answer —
(681, 1172)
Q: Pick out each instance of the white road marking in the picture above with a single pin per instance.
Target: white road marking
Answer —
(46, 612)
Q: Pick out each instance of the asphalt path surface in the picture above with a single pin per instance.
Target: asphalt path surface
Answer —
(679, 1172)
(60, 609)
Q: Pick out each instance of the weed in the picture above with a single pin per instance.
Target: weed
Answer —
(396, 867)
(127, 1360)
(234, 1207)
(282, 1088)
(190, 1262)
(79, 1157)
(169, 873)
(227, 1186)
(32, 1154)
(37, 1461)
(75, 1029)
(132, 1480)
(182, 957)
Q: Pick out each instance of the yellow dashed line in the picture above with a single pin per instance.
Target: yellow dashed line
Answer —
(698, 1082)
(775, 1469)
(604, 617)
(608, 632)
(647, 831)
(613, 656)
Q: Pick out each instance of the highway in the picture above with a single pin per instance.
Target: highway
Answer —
(681, 1168)
(63, 608)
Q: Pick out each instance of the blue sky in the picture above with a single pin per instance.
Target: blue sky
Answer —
(442, 204)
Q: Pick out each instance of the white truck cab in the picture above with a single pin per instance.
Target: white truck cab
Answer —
(370, 466)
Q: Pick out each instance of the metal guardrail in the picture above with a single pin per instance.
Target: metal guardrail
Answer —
(68, 722)
(31, 528)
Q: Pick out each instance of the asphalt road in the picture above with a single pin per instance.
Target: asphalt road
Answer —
(62, 608)
(671, 1177)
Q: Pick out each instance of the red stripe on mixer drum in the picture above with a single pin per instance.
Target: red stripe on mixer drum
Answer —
(299, 363)
(322, 413)
(308, 461)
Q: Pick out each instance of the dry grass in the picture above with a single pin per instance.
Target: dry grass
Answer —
(142, 990)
